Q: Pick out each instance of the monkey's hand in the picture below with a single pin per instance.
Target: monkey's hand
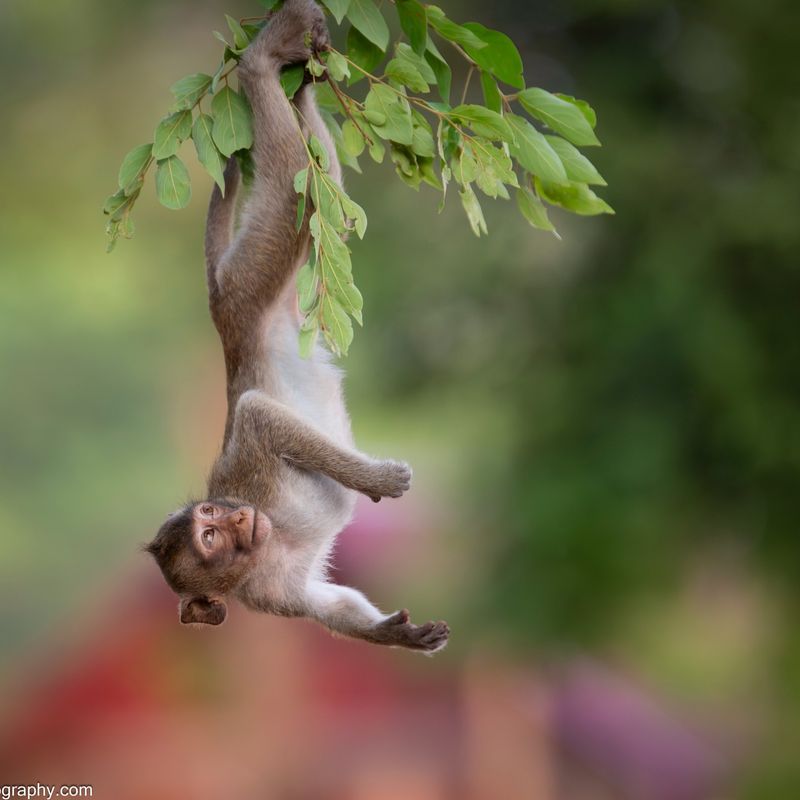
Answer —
(388, 479)
(397, 631)
(293, 34)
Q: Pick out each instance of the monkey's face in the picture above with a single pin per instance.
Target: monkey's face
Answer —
(205, 550)
(223, 533)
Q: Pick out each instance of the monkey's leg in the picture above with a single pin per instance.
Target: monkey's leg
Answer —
(347, 612)
(267, 247)
(219, 224)
(261, 422)
(309, 113)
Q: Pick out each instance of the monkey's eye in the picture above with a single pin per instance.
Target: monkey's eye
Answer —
(209, 510)
(208, 537)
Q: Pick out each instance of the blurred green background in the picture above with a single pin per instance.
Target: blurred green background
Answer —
(605, 430)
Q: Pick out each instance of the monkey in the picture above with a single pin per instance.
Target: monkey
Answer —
(286, 480)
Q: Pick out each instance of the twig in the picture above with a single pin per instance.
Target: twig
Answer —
(467, 82)
(340, 96)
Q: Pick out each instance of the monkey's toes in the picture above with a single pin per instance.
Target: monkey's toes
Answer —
(293, 33)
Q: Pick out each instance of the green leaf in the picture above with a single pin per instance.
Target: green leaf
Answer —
(207, 153)
(428, 172)
(397, 126)
(465, 168)
(353, 140)
(422, 139)
(220, 38)
(350, 299)
(354, 212)
(534, 152)
(377, 150)
(307, 284)
(414, 22)
(493, 168)
(500, 55)
(491, 92)
(240, 38)
(534, 211)
(308, 337)
(326, 98)
(404, 53)
(405, 160)
(338, 8)
(252, 29)
(575, 197)
(345, 158)
(326, 197)
(269, 5)
(115, 202)
(365, 16)
(582, 106)
(444, 75)
(233, 122)
(335, 273)
(449, 30)
(337, 327)
(319, 151)
(333, 254)
(363, 54)
(560, 115)
(301, 186)
(172, 183)
(474, 211)
(170, 132)
(316, 68)
(301, 181)
(133, 166)
(406, 74)
(484, 122)
(577, 166)
(218, 75)
(190, 89)
(337, 66)
(292, 79)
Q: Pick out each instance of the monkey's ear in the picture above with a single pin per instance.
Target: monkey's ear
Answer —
(202, 610)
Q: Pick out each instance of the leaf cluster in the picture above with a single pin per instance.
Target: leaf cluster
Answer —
(378, 100)
(225, 128)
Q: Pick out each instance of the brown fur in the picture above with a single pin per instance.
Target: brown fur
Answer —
(288, 460)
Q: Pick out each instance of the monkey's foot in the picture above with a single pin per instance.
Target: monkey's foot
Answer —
(294, 32)
(397, 631)
(389, 479)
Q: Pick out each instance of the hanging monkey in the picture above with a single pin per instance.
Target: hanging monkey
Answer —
(285, 483)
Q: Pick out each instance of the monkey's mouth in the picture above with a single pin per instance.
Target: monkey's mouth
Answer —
(260, 530)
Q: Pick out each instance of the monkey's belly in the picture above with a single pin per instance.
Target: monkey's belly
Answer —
(314, 506)
(310, 387)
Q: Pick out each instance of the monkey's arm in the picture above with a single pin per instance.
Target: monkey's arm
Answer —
(264, 428)
(347, 612)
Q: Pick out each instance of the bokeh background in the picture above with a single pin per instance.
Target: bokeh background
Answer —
(605, 434)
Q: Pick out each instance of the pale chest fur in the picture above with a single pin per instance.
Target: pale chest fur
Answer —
(311, 505)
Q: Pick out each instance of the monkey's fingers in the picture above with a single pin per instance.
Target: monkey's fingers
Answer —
(435, 637)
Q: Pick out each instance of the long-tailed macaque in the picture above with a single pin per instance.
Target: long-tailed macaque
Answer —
(285, 483)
